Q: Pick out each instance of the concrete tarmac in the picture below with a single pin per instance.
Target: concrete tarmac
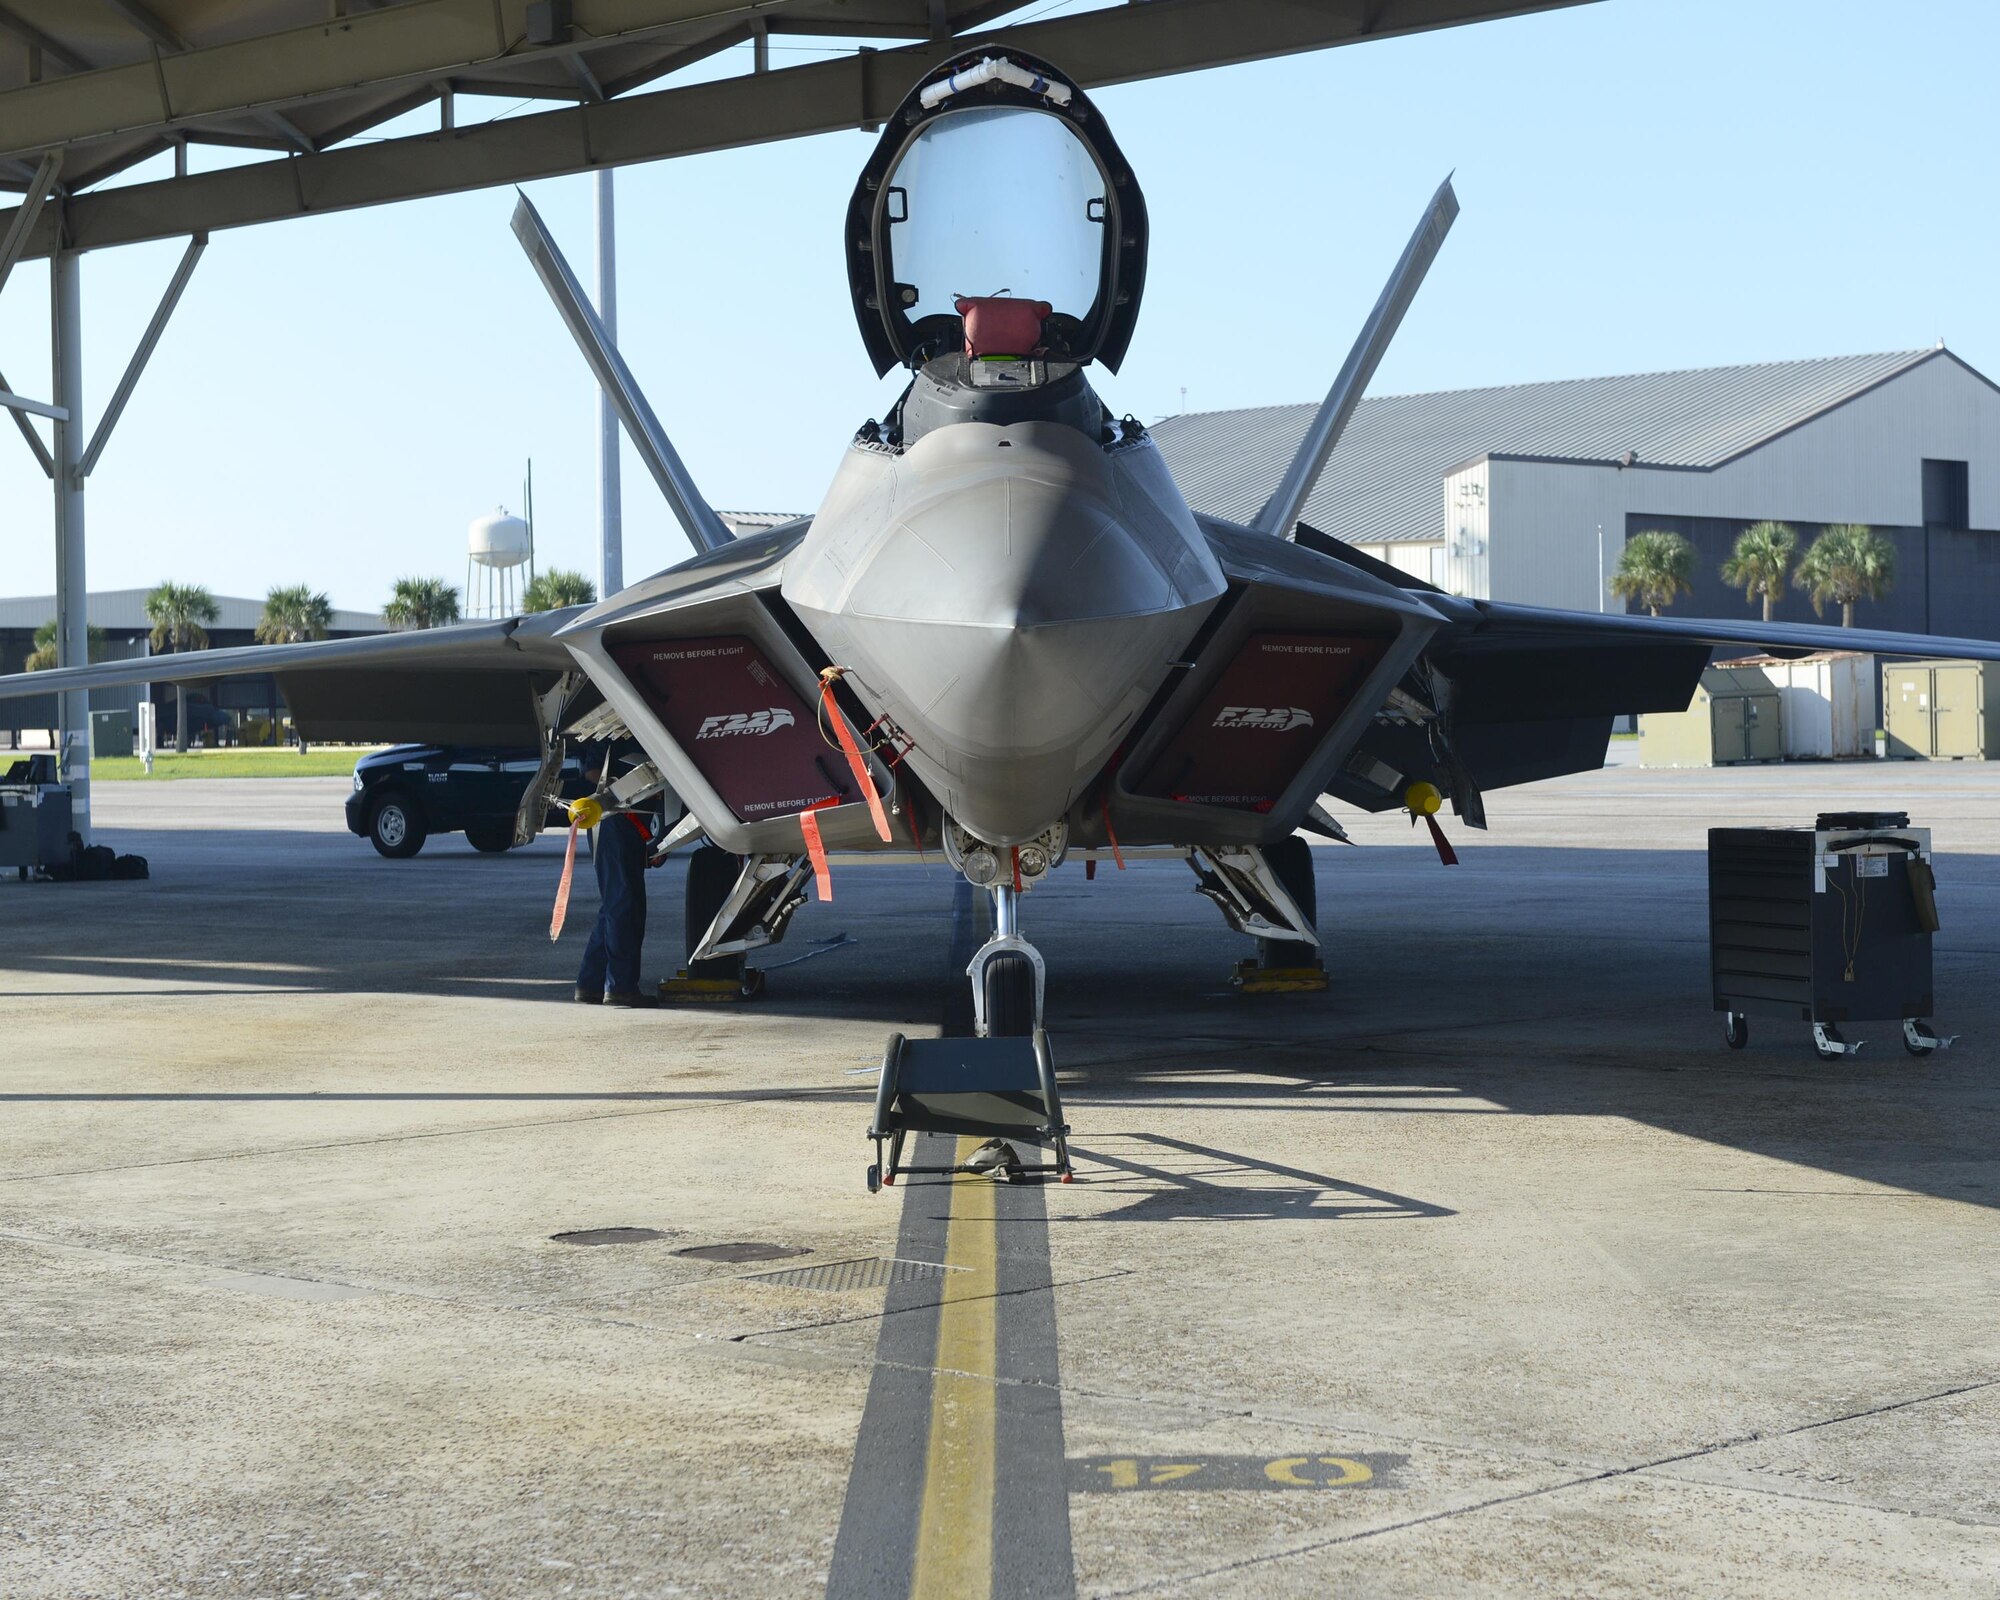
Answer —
(1492, 1271)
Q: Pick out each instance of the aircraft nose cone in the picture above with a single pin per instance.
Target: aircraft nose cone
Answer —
(1012, 620)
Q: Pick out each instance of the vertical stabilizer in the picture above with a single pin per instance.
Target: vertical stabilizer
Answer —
(1289, 499)
(704, 527)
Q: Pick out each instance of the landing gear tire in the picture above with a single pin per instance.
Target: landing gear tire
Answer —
(1291, 863)
(711, 874)
(1010, 996)
(491, 841)
(1735, 1030)
(395, 829)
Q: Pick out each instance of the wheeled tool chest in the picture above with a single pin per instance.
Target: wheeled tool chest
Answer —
(1825, 925)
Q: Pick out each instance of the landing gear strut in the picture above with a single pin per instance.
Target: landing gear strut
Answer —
(1008, 978)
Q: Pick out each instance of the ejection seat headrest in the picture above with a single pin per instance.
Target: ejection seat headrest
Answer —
(999, 325)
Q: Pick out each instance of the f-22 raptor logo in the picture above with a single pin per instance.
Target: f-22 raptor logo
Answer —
(758, 723)
(1269, 719)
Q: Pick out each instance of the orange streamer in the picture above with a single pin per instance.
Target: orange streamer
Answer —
(822, 874)
(561, 912)
(855, 763)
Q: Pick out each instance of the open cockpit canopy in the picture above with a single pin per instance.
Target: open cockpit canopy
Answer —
(997, 215)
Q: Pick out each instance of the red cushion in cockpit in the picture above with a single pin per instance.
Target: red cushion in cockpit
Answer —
(999, 325)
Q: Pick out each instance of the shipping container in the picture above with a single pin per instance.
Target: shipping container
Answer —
(1737, 715)
(1829, 701)
(1942, 710)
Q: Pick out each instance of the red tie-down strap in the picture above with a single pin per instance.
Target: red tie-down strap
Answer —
(830, 712)
(1446, 854)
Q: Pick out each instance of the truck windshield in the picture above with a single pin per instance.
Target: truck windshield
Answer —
(997, 201)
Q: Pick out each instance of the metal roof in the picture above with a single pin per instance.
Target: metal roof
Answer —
(1383, 483)
(109, 83)
(124, 611)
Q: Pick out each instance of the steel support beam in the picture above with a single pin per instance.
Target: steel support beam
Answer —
(34, 408)
(1115, 45)
(28, 213)
(72, 595)
(411, 43)
(34, 439)
(143, 354)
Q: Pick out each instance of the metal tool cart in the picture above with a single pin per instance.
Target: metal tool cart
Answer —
(1003, 1089)
(34, 816)
(1827, 925)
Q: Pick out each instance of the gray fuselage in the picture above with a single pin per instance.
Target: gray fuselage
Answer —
(1008, 594)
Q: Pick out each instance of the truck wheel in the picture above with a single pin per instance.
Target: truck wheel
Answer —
(711, 874)
(492, 839)
(395, 829)
(1291, 863)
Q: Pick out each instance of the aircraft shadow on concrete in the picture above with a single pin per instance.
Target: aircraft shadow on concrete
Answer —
(1529, 981)
(1181, 1181)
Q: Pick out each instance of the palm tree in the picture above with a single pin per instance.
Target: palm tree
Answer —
(293, 615)
(557, 588)
(1761, 562)
(422, 603)
(43, 657)
(1654, 568)
(179, 613)
(1848, 562)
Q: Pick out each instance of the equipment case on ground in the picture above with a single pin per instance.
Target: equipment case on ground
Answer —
(1825, 925)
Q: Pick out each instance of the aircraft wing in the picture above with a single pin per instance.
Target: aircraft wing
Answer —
(1513, 694)
(1502, 623)
(470, 683)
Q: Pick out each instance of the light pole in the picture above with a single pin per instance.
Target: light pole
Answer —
(610, 518)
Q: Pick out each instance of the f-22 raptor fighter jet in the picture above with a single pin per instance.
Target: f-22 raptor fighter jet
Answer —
(1004, 636)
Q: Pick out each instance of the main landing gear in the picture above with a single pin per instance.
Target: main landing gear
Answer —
(732, 905)
(1270, 894)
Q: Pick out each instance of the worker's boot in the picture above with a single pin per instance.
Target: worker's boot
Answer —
(635, 1000)
(589, 997)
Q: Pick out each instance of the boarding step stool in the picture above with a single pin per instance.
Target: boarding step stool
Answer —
(989, 1088)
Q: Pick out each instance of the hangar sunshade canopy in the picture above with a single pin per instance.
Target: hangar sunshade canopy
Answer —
(112, 83)
(92, 89)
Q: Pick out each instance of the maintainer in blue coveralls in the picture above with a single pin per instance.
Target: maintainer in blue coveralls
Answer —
(610, 971)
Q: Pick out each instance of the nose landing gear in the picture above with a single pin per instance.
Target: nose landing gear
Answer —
(999, 1085)
(1008, 978)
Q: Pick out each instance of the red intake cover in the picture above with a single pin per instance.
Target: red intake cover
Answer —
(753, 738)
(1257, 727)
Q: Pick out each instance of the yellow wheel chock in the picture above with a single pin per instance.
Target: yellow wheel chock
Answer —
(684, 989)
(1251, 978)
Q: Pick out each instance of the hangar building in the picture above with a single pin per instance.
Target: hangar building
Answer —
(1502, 493)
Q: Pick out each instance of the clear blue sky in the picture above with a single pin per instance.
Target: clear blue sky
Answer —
(1646, 183)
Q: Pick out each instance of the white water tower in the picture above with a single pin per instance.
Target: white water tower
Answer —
(497, 547)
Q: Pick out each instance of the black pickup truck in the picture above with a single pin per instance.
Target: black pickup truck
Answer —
(405, 794)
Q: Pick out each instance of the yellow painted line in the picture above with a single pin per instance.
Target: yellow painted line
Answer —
(955, 1522)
